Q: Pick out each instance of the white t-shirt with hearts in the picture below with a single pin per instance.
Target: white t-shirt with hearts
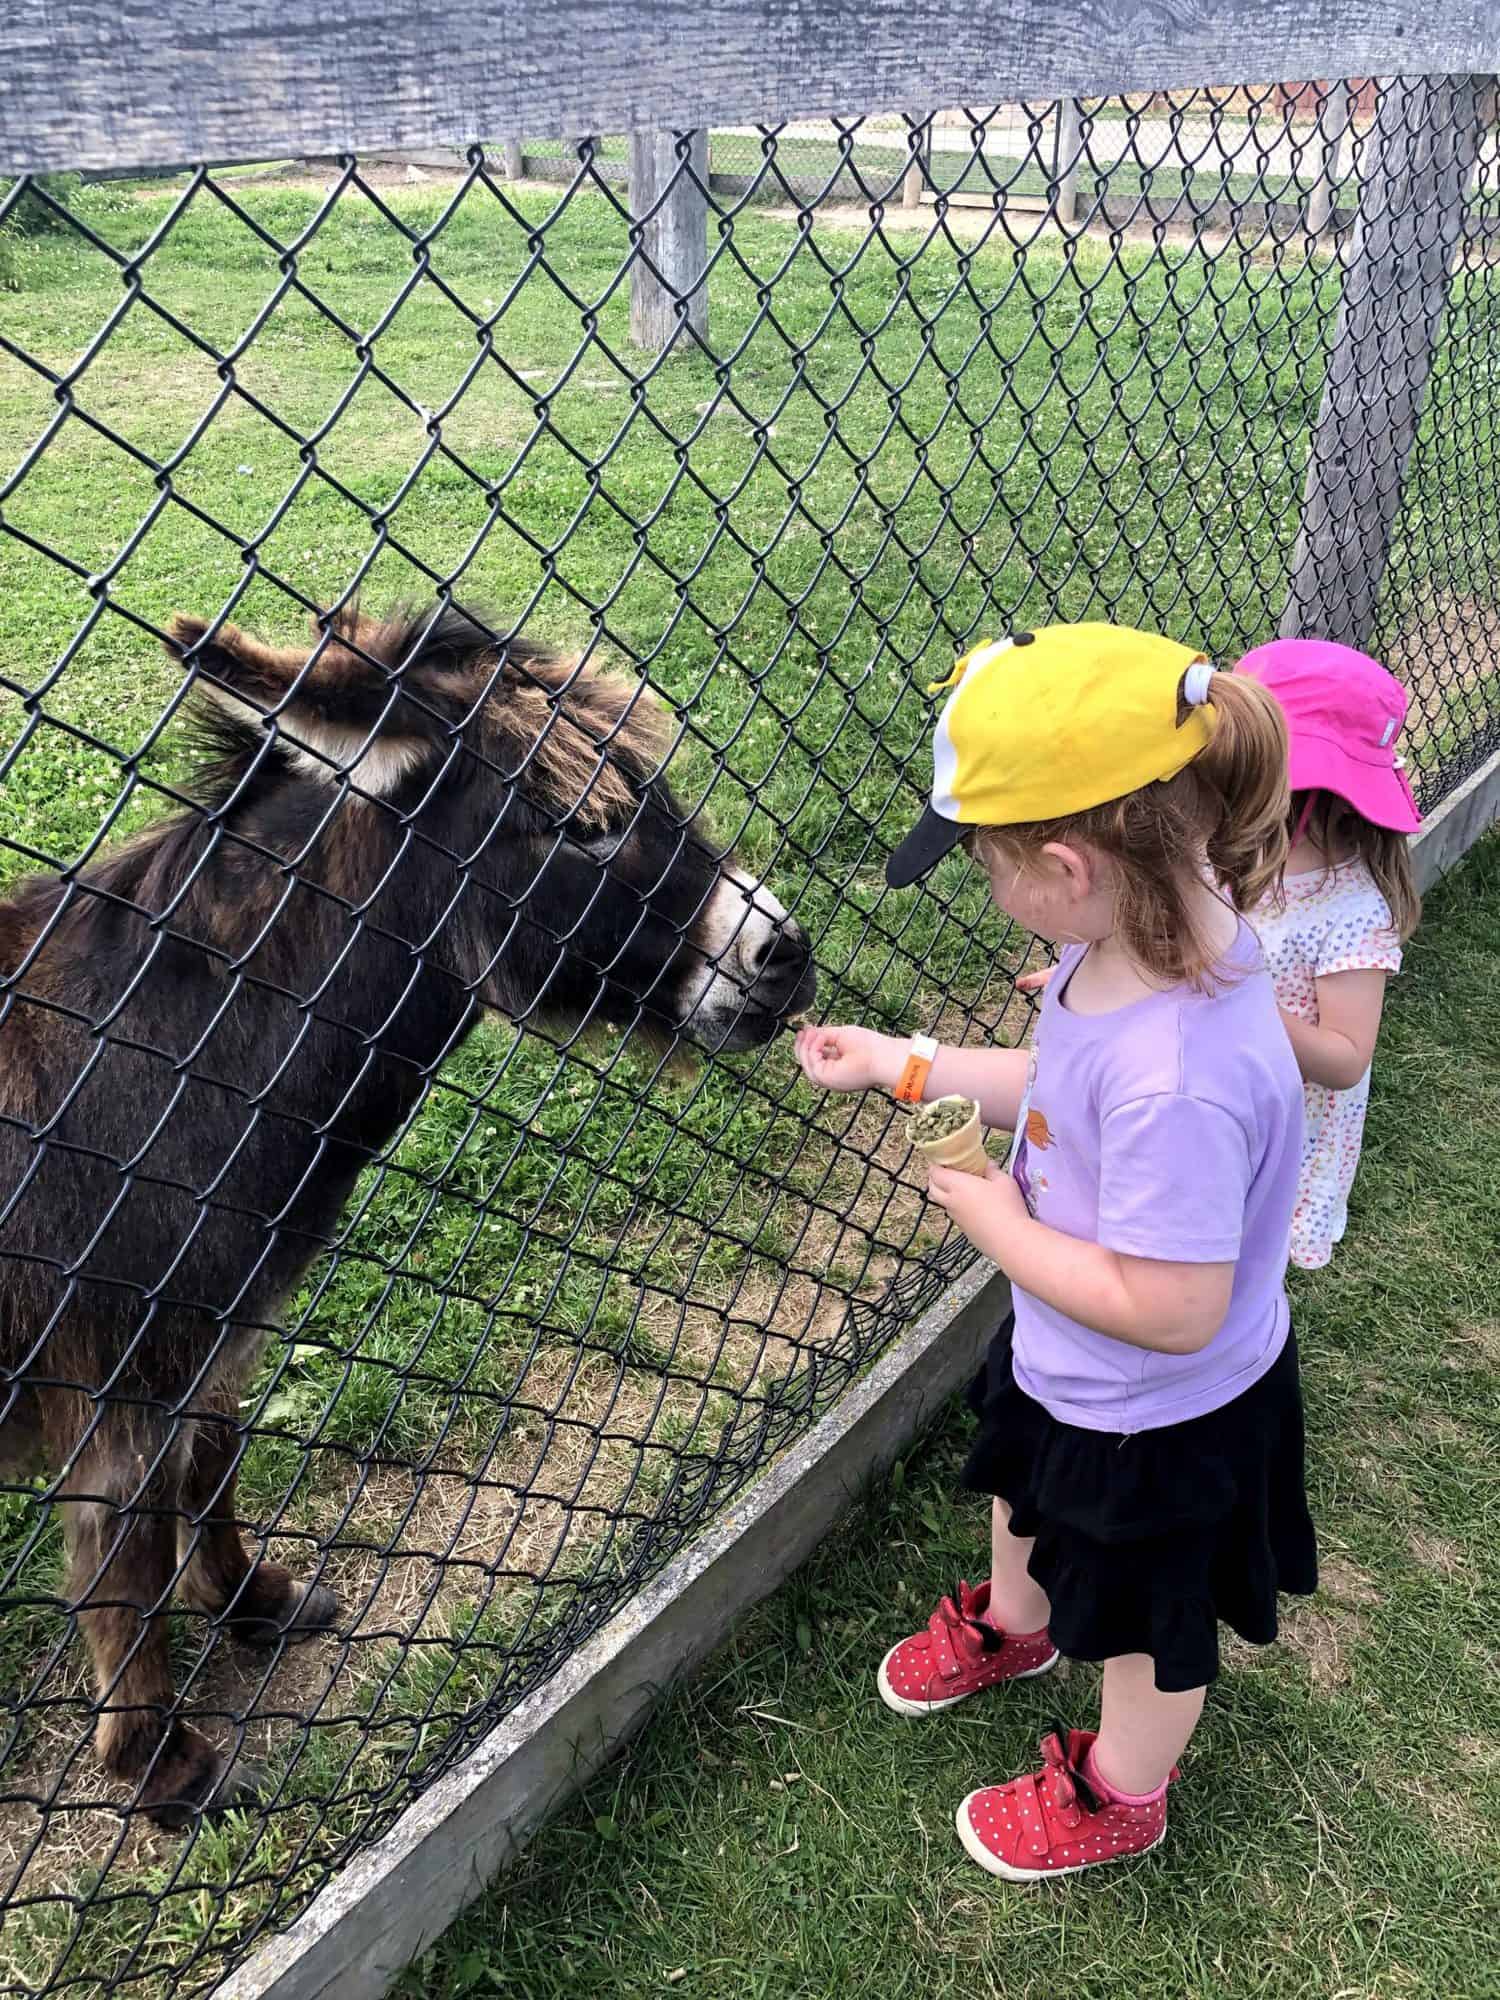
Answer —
(1333, 920)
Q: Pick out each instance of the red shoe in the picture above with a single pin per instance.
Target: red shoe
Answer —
(958, 1655)
(1055, 1823)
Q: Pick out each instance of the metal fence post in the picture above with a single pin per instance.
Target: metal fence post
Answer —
(1333, 124)
(669, 199)
(1069, 144)
(1410, 224)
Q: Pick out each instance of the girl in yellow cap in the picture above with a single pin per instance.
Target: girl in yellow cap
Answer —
(1140, 1421)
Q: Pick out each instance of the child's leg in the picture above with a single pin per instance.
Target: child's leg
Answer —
(976, 1638)
(1017, 1602)
(1046, 1823)
(1142, 1732)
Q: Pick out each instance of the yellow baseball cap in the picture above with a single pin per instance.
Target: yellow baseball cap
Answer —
(1043, 724)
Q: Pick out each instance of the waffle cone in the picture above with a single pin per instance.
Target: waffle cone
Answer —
(963, 1149)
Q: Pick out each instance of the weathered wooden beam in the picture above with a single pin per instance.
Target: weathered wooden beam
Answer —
(1410, 224)
(1068, 138)
(135, 83)
(1452, 828)
(919, 171)
(1333, 127)
(669, 200)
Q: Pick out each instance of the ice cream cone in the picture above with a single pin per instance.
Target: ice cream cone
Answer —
(963, 1149)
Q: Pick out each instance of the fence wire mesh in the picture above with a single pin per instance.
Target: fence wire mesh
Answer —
(413, 1224)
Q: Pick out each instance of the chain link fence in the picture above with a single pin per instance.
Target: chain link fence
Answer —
(413, 1222)
(1194, 156)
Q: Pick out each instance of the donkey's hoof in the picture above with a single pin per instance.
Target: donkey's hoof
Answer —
(317, 1611)
(312, 1610)
(221, 1784)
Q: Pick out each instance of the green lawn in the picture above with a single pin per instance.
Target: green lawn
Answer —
(896, 443)
(1337, 1832)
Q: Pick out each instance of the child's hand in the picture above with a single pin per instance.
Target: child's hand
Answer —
(1035, 982)
(985, 1210)
(848, 1058)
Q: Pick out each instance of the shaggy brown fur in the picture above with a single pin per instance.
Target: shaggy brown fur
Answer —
(207, 1035)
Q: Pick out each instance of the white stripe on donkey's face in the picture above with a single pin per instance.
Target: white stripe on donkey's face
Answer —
(756, 968)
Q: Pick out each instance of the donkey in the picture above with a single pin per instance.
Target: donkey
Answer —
(207, 1034)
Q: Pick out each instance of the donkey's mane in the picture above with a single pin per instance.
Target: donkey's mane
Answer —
(582, 741)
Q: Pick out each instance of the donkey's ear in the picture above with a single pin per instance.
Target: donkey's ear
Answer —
(260, 674)
(338, 718)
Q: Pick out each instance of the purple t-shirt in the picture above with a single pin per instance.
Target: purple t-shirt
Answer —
(1171, 1129)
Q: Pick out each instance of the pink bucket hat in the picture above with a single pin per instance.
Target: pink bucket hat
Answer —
(1344, 712)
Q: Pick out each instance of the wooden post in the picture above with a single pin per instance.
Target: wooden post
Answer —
(1409, 226)
(1068, 144)
(667, 288)
(917, 173)
(511, 160)
(1333, 123)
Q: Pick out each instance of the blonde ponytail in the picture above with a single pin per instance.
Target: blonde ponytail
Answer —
(1228, 806)
(1242, 775)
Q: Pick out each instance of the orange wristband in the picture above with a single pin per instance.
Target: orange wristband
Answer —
(913, 1078)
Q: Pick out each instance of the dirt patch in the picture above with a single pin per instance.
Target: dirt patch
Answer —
(317, 177)
(416, 1556)
(1441, 1427)
(1322, 1635)
(1021, 219)
(1023, 222)
(1455, 640)
(1347, 1583)
(1436, 1552)
(1324, 1630)
(1483, 1752)
(1448, 658)
(1445, 1802)
(1482, 1340)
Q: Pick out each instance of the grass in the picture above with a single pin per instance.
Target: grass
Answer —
(583, 1284)
(1184, 177)
(776, 1833)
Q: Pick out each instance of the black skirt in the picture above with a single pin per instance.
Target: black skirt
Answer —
(1145, 1542)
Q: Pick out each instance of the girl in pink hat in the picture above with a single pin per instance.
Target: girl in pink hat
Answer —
(1332, 934)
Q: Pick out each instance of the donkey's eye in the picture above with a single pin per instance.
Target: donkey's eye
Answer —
(605, 847)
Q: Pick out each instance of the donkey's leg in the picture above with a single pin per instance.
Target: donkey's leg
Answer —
(121, 1545)
(259, 1601)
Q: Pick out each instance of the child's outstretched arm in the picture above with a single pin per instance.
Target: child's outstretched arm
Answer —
(1339, 1046)
(837, 1058)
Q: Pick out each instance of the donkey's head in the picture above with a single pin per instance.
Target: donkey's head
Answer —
(528, 793)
